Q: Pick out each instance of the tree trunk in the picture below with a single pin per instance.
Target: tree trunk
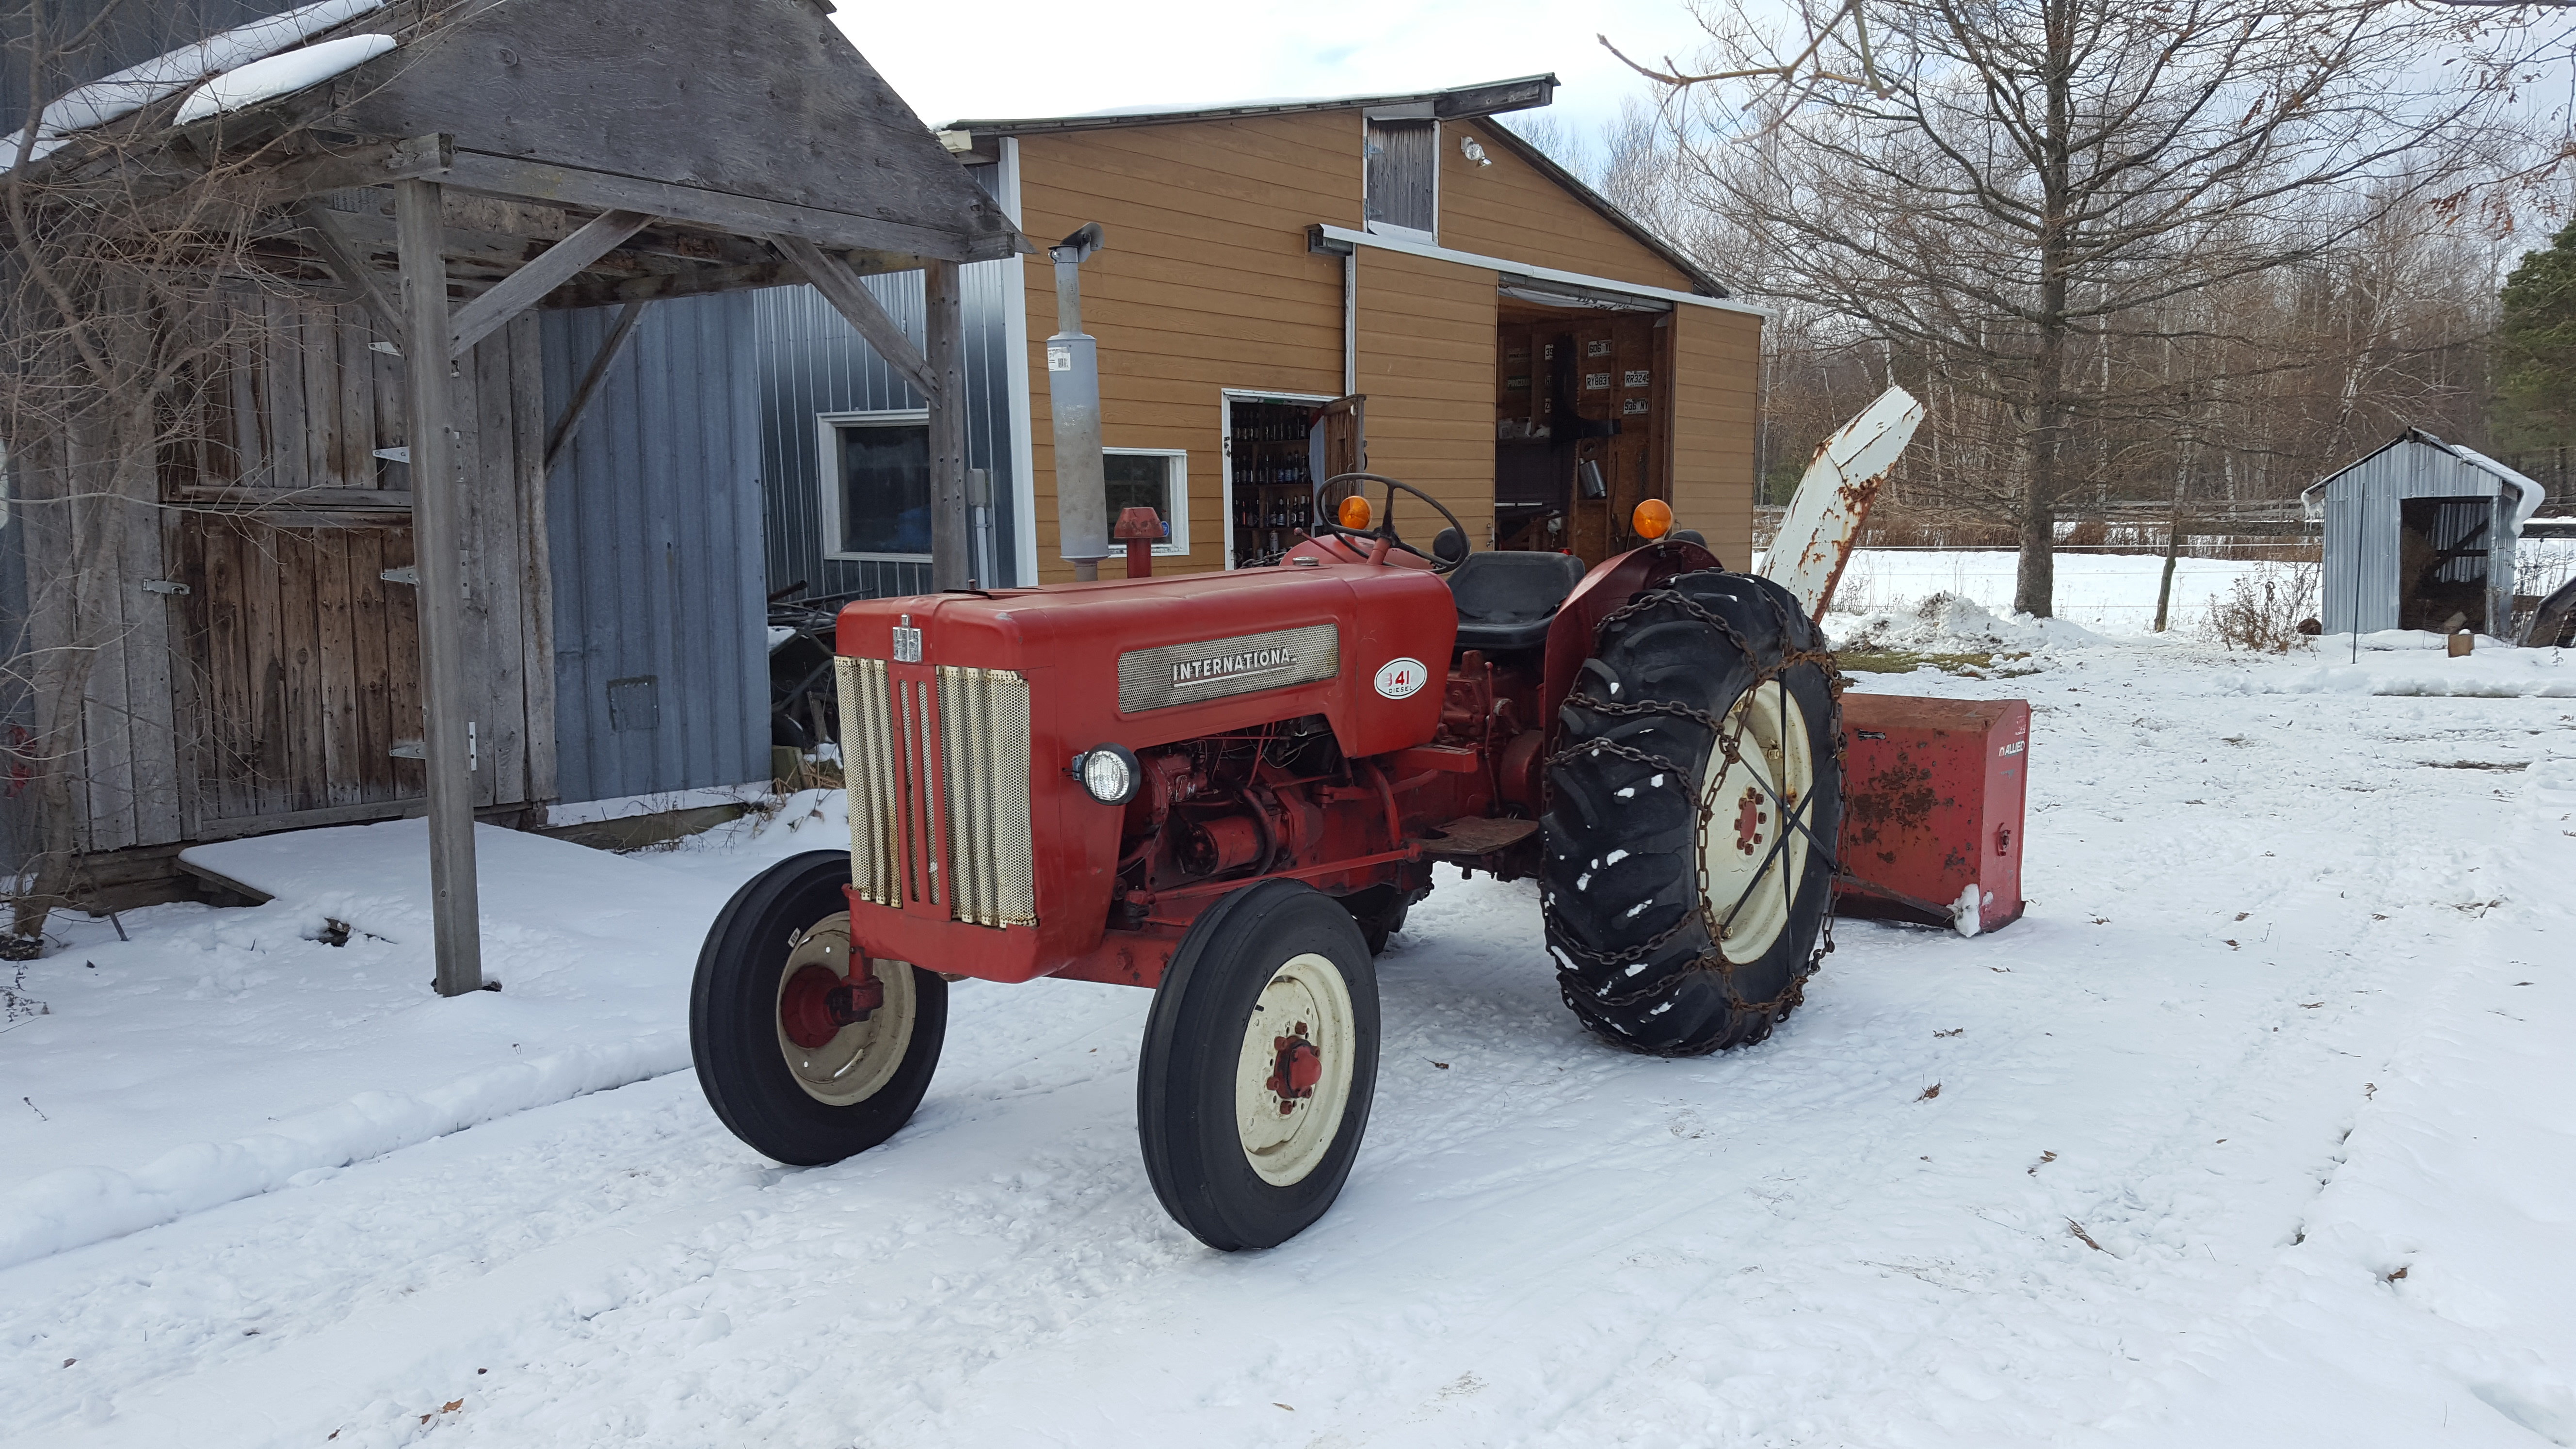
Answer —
(2035, 581)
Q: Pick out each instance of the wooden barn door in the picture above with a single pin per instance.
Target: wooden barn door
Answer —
(307, 670)
(302, 660)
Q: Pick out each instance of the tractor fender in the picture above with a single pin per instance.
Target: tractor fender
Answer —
(1609, 586)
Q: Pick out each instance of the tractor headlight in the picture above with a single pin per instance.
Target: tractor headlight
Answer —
(1108, 772)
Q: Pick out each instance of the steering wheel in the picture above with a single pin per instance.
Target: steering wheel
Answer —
(1385, 528)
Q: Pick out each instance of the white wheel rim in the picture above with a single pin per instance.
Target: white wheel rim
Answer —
(1742, 804)
(1285, 1134)
(862, 1057)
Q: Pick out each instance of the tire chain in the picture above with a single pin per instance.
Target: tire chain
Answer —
(1729, 745)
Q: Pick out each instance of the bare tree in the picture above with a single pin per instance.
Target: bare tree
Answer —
(2039, 207)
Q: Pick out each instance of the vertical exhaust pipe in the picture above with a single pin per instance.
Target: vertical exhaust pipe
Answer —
(1073, 398)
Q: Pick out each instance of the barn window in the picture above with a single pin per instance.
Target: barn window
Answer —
(1403, 177)
(1155, 478)
(876, 485)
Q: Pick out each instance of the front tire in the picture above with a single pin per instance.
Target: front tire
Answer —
(784, 1074)
(1259, 1066)
(1685, 908)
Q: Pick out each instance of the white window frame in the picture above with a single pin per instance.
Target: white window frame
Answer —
(1418, 112)
(1178, 545)
(827, 435)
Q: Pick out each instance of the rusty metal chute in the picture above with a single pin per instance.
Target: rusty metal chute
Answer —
(1833, 499)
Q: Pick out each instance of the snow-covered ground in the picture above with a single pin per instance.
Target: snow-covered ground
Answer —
(2255, 1131)
(2107, 593)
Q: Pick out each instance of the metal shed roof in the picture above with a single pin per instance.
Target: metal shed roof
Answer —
(2532, 493)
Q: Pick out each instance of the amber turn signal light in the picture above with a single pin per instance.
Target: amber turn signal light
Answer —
(1653, 519)
(1354, 512)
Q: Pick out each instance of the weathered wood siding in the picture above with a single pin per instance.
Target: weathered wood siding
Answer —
(1716, 404)
(1427, 364)
(1514, 210)
(268, 694)
(1205, 285)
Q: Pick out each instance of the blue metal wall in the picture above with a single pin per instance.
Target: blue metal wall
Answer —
(653, 517)
(813, 362)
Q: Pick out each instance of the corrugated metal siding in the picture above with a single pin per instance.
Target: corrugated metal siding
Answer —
(653, 517)
(2362, 532)
(812, 362)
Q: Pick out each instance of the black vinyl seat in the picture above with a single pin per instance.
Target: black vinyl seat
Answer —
(1506, 599)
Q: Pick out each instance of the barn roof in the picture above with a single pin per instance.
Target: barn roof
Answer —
(1457, 103)
(726, 122)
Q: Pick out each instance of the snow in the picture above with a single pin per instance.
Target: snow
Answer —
(2286, 1015)
(281, 75)
(131, 89)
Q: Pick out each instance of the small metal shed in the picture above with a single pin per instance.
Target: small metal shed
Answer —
(2420, 535)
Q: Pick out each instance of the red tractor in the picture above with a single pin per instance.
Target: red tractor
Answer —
(1228, 788)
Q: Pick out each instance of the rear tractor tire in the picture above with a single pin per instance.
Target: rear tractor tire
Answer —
(1685, 906)
(794, 1063)
(1259, 1066)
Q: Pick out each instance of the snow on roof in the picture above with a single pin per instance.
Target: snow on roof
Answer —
(131, 89)
(2533, 494)
(281, 75)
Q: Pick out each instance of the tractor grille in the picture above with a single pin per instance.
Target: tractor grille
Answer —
(975, 723)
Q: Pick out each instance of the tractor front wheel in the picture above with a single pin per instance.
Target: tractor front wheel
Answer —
(1259, 1066)
(803, 1060)
(1693, 806)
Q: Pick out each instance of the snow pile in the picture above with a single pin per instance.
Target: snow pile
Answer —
(1950, 624)
(131, 89)
(2410, 662)
(281, 75)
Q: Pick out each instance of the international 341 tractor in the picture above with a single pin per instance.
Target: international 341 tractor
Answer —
(1228, 788)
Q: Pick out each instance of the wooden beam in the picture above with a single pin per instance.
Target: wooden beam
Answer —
(438, 532)
(509, 177)
(347, 264)
(593, 290)
(952, 551)
(613, 344)
(841, 287)
(550, 269)
(379, 163)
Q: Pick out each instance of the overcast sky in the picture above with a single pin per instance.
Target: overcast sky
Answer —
(1018, 58)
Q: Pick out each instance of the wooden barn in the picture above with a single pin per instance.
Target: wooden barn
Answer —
(328, 595)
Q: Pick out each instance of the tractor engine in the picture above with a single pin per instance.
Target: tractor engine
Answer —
(1058, 781)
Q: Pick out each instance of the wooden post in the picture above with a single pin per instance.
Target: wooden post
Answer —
(951, 547)
(436, 529)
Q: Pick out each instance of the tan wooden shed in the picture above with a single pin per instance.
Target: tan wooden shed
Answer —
(1517, 345)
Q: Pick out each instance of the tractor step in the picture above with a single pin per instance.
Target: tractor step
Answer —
(1472, 838)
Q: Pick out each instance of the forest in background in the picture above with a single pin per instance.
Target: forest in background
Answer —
(2147, 266)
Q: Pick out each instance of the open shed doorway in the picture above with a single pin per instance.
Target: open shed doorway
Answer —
(1279, 449)
(1582, 398)
(2442, 551)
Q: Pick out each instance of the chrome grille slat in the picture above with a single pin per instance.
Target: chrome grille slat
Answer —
(984, 730)
(973, 830)
(868, 767)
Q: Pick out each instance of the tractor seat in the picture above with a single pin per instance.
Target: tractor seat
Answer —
(1505, 599)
